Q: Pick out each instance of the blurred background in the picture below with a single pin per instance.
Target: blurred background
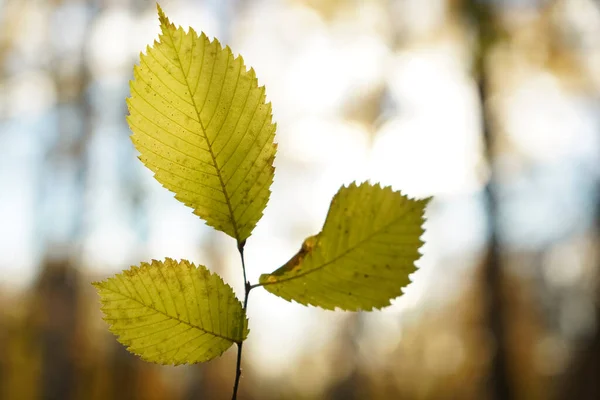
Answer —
(493, 107)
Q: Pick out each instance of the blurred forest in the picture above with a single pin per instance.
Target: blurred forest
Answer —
(493, 107)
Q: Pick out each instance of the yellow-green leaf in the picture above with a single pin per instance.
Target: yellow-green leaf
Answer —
(201, 123)
(362, 256)
(172, 312)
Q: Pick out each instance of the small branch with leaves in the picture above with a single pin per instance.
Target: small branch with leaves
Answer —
(202, 124)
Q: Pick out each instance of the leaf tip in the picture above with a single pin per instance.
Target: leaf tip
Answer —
(161, 15)
(97, 284)
(165, 24)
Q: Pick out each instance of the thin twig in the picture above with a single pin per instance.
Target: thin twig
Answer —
(254, 286)
(247, 288)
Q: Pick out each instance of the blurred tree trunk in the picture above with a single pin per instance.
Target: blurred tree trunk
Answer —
(352, 386)
(57, 297)
(481, 14)
(55, 311)
(582, 380)
(3, 352)
(123, 370)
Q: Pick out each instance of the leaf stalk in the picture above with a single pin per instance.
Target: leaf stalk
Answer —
(247, 288)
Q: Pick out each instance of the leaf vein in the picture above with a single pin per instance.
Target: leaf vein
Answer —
(228, 110)
(157, 76)
(343, 254)
(184, 322)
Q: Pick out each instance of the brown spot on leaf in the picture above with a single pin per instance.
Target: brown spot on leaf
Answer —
(294, 264)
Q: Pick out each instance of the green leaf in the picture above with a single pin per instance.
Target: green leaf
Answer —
(200, 121)
(172, 312)
(362, 256)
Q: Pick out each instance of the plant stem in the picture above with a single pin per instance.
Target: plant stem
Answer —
(247, 288)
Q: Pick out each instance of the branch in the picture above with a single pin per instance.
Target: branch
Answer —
(247, 288)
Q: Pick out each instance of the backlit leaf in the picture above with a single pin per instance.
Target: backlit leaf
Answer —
(201, 123)
(362, 256)
(172, 312)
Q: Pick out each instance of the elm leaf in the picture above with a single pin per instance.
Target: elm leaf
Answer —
(172, 312)
(361, 258)
(202, 125)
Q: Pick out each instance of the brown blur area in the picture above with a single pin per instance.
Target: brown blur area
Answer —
(492, 107)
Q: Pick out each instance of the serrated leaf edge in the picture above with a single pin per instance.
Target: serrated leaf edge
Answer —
(425, 200)
(166, 29)
(101, 285)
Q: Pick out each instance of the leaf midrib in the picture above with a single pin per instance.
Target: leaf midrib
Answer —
(210, 150)
(170, 316)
